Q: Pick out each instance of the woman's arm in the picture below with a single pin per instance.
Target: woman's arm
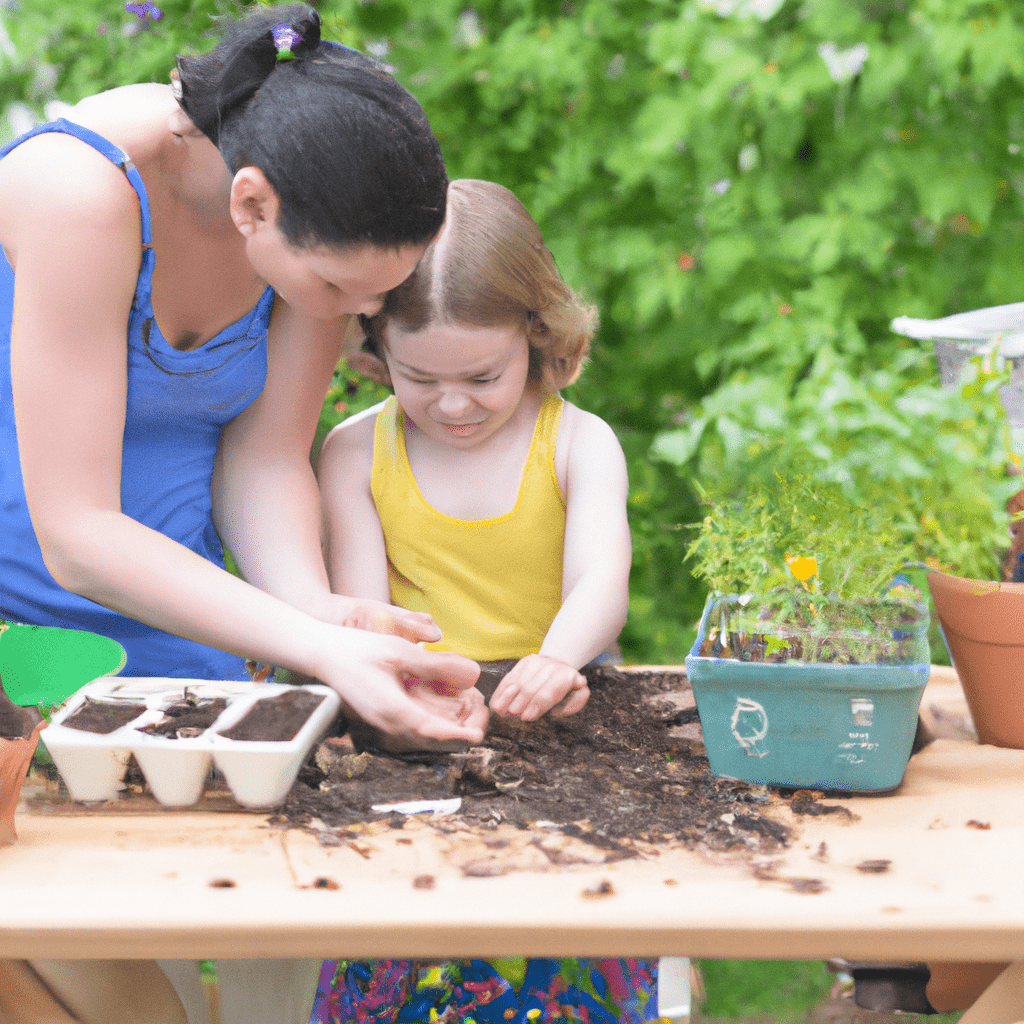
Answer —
(266, 501)
(61, 199)
(595, 577)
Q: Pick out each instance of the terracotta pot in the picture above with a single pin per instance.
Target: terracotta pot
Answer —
(15, 756)
(983, 625)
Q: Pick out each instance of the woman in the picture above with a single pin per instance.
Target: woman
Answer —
(179, 267)
(179, 264)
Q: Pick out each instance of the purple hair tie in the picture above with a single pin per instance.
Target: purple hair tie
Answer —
(285, 39)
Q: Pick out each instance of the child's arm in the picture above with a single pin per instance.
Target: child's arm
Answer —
(357, 566)
(595, 577)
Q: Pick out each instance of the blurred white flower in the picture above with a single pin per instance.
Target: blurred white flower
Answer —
(749, 157)
(44, 80)
(762, 9)
(843, 64)
(722, 186)
(468, 32)
(21, 117)
(6, 46)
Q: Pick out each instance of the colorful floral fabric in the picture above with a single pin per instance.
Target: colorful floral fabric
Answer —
(510, 991)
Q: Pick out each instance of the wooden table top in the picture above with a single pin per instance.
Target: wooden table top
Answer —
(223, 884)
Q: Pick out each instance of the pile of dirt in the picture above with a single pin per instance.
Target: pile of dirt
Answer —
(15, 723)
(630, 766)
(102, 716)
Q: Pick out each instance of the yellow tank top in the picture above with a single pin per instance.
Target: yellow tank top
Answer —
(493, 586)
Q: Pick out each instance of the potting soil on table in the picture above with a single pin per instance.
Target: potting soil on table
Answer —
(276, 718)
(103, 716)
(630, 767)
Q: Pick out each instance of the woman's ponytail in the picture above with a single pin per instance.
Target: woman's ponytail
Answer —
(247, 67)
(347, 148)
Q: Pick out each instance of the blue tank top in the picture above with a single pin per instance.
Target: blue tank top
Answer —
(177, 404)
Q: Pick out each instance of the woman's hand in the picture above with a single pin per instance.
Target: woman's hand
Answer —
(538, 684)
(414, 696)
(466, 707)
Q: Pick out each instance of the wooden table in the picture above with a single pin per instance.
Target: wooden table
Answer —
(130, 885)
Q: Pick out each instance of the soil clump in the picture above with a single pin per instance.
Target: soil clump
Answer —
(187, 717)
(630, 766)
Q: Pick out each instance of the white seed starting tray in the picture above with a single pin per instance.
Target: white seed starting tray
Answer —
(258, 773)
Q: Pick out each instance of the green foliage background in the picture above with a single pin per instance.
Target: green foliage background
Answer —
(748, 222)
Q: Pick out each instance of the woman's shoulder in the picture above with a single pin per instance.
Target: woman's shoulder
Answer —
(54, 184)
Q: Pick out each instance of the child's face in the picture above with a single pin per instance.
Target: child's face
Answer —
(458, 385)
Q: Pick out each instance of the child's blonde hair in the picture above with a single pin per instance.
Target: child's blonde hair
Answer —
(490, 268)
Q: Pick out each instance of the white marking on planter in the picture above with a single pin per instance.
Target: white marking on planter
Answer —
(863, 710)
(752, 719)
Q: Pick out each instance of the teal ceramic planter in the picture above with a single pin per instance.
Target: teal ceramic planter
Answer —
(810, 725)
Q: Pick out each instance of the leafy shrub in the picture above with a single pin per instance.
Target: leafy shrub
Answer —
(749, 189)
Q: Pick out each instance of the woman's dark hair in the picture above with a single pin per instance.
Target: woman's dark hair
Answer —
(347, 148)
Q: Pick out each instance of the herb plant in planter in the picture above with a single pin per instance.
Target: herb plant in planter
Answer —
(812, 653)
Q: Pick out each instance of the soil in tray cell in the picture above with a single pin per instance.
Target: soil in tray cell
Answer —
(102, 716)
(190, 716)
(275, 719)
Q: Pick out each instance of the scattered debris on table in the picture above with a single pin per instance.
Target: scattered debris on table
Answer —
(627, 773)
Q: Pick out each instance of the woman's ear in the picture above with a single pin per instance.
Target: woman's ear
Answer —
(254, 203)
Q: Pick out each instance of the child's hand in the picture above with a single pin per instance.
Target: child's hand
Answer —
(538, 684)
(378, 617)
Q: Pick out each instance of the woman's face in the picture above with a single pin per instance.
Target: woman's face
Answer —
(319, 281)
(325, 282)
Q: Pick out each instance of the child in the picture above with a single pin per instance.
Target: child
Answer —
(478, 495)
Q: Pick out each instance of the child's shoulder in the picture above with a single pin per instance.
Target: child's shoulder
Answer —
(585, 443)
(350, 444)
(580, 426)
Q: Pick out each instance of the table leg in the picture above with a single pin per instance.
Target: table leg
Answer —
(276, 991)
